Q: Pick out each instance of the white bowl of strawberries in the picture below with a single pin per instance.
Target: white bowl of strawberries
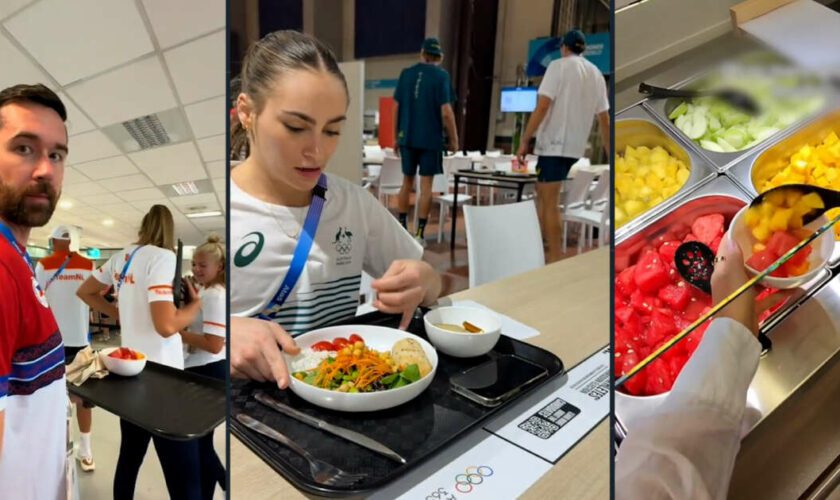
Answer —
(123, 361)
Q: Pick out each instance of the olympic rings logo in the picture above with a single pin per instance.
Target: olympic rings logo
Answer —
(474, 475)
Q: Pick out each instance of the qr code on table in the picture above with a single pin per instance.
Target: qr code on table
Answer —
(550, 419)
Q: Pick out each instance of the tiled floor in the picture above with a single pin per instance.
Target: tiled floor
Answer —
(105, 442)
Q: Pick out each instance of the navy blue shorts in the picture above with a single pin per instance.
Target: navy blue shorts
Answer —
(554, 168)
(429, 160)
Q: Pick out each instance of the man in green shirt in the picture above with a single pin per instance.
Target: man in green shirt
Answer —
(423, 108)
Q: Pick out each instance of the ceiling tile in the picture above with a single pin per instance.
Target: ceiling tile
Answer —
(105, 169)
(24, 71)
(217, 169)
(193, 202)
(89, 146)
(93, 35)
(212, 148)
(209, 222)
(190, 19)
(104, 199)
(220, 184)
(73, 176)
(82, 190)
(9, 6)
(126, 93)
(127, 183)
(197, 68)
(152, 194)
(207, 117)
(170, 164)
(76, 121)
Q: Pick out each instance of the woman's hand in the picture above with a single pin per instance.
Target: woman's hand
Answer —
(404, 286)
(192, 293)
(255, 350)
(729, 275)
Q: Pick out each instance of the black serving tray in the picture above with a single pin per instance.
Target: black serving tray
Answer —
(165, 401)
(416, 430)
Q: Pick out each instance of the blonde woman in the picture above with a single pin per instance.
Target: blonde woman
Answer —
(142, 276)
(206, 341)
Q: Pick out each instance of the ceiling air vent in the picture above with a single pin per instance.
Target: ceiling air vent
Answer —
(147, 131)
(150, 131)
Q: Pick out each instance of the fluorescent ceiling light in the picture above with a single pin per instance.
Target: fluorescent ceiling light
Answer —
(108, 222)
(65, 204)
(185, 188)
(199, 215)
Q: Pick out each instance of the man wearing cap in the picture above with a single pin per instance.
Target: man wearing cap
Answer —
(33, 391)
(571, 94)
(423, 109)
(60, 275)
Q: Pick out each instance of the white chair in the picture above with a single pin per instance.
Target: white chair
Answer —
(502, 240)
(599, 193)
(390, 179)
(575, 197)
(445, 201)
(589, 218)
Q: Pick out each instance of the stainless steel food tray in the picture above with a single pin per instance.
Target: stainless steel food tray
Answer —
(636, 127)
(812, 132)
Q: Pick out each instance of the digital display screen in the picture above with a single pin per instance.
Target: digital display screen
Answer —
(519, 99)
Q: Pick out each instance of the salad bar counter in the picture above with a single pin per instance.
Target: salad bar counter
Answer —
(732, 156)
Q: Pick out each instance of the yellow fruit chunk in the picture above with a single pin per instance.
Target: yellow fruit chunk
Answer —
(759, 247)
(645, 177)
(780, 218)
(813, 200)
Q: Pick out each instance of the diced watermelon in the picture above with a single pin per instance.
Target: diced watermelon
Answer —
(708, 227)
(641, 302)
(662, 327)
(635, 385)
(624, 283)
(629, 320)
(651, 273)
(675, 296)
(694, 309)
(668, 249)
(658, 378)
(715, 244)
(780, 242)
(762, 260)
(690, 237)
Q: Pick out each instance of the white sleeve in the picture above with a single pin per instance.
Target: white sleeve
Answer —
(40, 275)
(386, 240)
(602, 96)
(161, 275)
(105, 273)
(550, 83)
(214, 312)
(686, 447)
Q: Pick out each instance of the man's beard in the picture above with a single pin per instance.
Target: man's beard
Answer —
(16, 209)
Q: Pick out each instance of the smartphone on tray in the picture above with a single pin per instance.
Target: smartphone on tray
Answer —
(497, 380)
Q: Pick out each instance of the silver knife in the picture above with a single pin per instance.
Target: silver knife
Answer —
(352, 436)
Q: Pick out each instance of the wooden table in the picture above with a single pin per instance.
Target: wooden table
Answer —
(568, 302)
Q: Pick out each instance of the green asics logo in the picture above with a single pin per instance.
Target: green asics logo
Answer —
(249, 251)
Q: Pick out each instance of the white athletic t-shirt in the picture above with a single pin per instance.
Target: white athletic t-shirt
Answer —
(355, 233)
(211, 320)
(149, 279)
(71, 312)
(578, 93)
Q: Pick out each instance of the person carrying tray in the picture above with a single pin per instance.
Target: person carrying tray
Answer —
(301, 238)
(142, 276)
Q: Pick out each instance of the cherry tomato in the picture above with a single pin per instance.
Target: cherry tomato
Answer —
(323, 346)
(340, 342)
(356, 338)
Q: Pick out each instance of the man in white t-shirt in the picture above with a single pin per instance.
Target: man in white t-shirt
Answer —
(571, 94)
(60, 275)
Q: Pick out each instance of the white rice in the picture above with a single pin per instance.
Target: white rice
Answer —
(309, 359)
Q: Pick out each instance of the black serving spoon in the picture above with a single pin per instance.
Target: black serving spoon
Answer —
(829, 197)
(735, 98)
(695, 263)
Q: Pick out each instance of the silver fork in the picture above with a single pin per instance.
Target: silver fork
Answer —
(322, 472)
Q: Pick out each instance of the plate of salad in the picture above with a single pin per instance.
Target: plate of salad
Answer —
(358, 368)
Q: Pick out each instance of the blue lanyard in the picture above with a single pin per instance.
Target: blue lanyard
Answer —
(57, 273)
(125, 269)
(7, 233)
(304, 245)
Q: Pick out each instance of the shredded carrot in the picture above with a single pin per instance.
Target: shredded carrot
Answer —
(370, 365)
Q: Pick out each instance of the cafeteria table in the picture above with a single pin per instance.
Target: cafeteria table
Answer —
(567, 302)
